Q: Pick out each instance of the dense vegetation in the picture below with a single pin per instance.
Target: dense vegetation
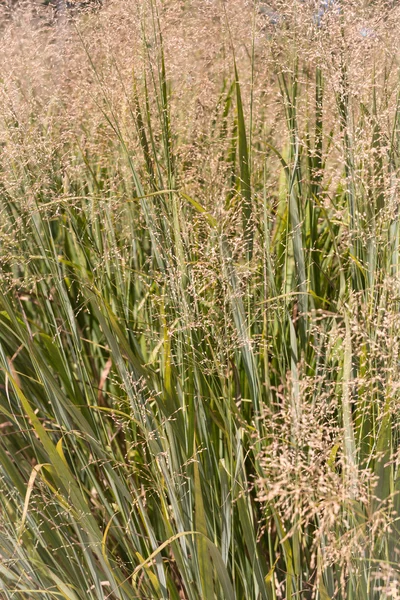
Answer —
(199, 302)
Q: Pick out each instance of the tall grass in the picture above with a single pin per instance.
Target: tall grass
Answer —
(199, 302)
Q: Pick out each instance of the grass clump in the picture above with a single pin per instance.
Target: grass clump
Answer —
(199, 301)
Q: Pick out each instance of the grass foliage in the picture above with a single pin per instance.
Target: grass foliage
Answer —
(199, 302)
